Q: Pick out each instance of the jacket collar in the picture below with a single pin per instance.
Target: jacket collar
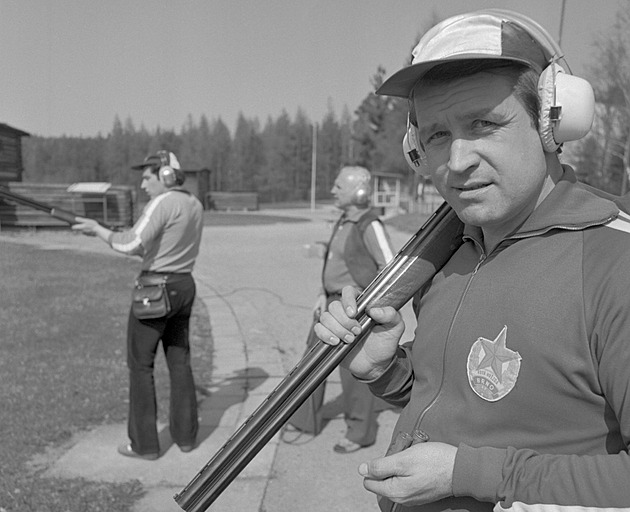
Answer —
(354, 215)
(570, 205)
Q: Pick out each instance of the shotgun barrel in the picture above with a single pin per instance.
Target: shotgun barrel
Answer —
(53, 211)
(414, 265)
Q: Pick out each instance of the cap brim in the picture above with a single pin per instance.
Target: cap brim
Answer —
(402, 82)
(149, 162)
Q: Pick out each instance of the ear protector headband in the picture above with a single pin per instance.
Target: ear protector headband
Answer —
(567, 102)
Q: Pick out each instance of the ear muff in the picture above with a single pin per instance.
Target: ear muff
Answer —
(567, 107)
(361, 195)
(168, 176)
(413, 153)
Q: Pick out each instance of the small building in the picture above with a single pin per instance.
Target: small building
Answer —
(390, 191)
(197, 182)
(11, 164)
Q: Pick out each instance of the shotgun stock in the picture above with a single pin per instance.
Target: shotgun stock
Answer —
(414, 265)
(53, 211)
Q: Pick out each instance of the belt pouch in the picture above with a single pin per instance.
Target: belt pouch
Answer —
(150, 298)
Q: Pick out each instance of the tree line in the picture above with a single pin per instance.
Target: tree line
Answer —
(275, 159)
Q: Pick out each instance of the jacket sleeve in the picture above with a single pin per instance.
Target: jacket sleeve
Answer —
(394, 386)
(148, 227)
(523, 480)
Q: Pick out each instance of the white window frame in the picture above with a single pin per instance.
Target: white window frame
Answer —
(386, 191)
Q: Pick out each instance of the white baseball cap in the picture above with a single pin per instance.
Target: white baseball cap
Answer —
(160, 159)
(485, 34)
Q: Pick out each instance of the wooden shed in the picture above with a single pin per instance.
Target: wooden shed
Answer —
(197, 182)
(11, 165)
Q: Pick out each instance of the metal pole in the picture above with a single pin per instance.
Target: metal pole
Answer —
(564, 2)
(314, 168)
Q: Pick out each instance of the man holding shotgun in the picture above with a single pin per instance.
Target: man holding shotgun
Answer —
(519, 370)
(167, 237)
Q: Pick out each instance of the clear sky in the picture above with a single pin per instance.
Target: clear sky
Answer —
(69, 66)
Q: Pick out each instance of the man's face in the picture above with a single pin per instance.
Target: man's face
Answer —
(343, 189)
(484, 155)
(151, 184)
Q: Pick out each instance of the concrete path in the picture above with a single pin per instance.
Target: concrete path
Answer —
(259, 285)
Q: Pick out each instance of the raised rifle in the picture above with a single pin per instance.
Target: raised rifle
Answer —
(53, 211)
(414, 265)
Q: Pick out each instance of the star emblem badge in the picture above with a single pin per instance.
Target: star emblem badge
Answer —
(492, 367)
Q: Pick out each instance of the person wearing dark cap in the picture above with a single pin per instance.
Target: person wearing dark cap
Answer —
(167, 237)
(518, 373)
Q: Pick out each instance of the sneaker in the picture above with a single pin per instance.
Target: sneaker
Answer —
(293, 435)
(127, 451)
(346, 446)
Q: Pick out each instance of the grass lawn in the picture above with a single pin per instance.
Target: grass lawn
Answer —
(63, 318)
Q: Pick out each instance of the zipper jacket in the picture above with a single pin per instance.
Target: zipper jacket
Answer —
(521, 358)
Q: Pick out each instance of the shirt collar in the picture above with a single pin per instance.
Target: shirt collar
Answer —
(354, 215)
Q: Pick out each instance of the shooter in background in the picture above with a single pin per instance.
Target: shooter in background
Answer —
(358, 249)
(167, 238)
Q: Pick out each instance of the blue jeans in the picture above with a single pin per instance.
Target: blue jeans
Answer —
(143, 338)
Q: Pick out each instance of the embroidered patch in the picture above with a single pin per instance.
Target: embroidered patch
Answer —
(492, 367)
